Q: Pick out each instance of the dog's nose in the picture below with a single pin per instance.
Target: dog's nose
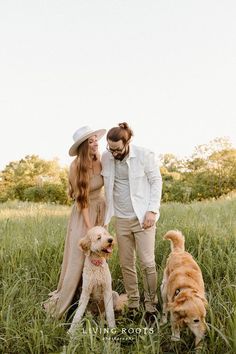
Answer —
(110, 240)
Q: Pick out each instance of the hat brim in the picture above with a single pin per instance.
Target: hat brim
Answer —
(74, 148)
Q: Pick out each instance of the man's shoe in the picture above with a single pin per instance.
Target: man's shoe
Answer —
(151, 318)
(133, 313)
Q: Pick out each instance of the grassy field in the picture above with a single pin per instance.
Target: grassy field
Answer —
(32, 240)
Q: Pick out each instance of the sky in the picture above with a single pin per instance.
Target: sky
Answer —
(166, 67)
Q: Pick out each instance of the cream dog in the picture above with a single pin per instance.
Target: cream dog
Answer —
(182, 290)
(97, 245)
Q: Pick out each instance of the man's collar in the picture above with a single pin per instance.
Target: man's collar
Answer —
(131, 151)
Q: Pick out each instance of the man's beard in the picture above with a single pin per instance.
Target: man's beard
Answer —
(120, 157)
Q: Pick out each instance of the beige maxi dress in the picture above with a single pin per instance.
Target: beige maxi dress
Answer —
(73, 259)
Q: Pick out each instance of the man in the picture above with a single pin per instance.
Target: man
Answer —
(133, 185)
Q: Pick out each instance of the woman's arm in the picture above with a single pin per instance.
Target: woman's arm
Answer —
(70, 191)
(85, 214)
(71, 176)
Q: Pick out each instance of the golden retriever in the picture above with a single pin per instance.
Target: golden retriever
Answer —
(182, 290)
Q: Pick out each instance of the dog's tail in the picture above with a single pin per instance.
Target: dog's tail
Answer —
(177, 240)
(119, 301)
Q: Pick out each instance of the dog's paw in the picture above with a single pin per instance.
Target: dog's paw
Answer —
(63, 350)
(111, 324)
(163, 321)
(199, 350)
(175, 338)
(71, 332)
(199, 346)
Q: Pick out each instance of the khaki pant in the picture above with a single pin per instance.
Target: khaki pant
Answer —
(130, 238)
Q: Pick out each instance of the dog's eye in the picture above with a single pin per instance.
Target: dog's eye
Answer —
(196, 321)
(99, 237)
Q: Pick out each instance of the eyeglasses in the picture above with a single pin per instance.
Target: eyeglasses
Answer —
(114, 151)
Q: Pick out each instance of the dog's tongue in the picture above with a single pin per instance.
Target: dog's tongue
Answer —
(109, 249)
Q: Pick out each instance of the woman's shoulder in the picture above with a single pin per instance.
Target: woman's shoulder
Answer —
(73, 166)
(74, 163)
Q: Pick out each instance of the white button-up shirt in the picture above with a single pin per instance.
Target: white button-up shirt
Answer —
(144, 180)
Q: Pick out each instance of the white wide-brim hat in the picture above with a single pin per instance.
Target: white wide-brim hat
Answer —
(81, 135)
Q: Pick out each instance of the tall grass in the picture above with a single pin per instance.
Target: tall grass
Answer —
(32, 241)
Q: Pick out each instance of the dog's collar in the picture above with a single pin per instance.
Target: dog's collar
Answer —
(97, 261)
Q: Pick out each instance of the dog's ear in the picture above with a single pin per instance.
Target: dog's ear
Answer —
(181, 299)
(204, 300)
(85, 244)
(177, 303)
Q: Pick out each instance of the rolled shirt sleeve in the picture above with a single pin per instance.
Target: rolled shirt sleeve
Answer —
(152, 171)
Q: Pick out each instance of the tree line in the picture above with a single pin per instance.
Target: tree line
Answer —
(209, 172)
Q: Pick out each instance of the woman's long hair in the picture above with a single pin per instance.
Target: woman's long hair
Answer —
(82, 178)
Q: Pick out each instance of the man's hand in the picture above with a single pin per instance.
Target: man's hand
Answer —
(150, 219)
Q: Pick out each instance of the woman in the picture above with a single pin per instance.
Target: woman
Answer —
(85, 187)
